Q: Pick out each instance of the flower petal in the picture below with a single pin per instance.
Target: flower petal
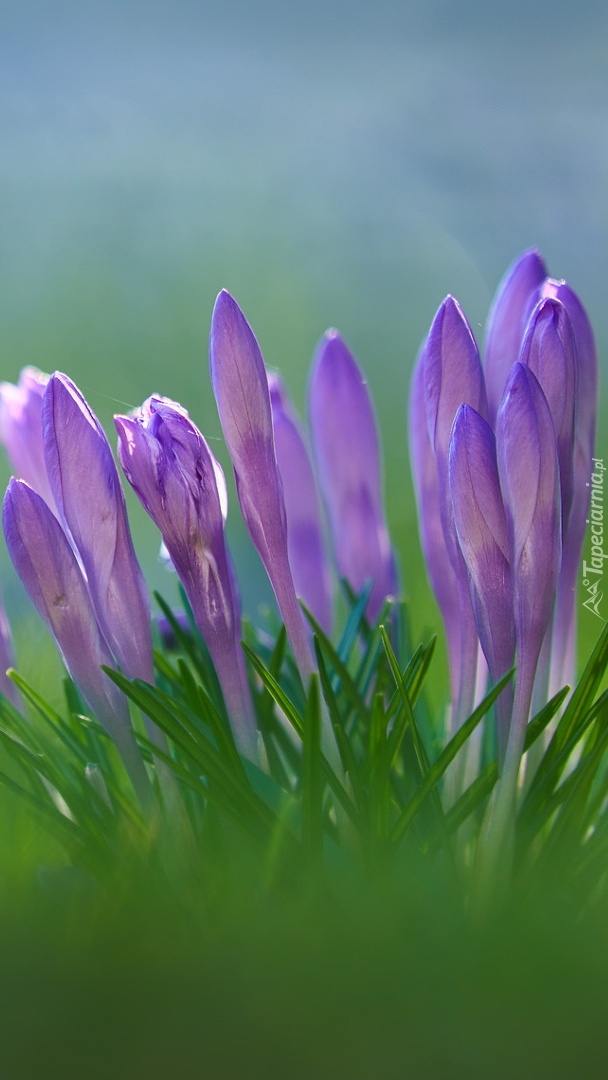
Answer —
(48, 568)
(481, 526)
(240, 386)
(21, 430)
(86, 487)
(549, 350)
(307, 556)
(347, 459)
(515, 299)
(172, 470)
(529, 479)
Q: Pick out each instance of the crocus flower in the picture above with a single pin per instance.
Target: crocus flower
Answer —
(86, 488)
(529, 478)
(564, 634)
(240, 385)
(481, 527)
(516, 296)
(49, 570)
(347, 459)
(307, 557)
(21, 429)
(451, 375)
(442, 575)
(587, 361)
(549, 350)
(180, 484)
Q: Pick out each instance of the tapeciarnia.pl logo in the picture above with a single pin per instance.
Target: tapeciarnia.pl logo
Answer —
(594, 569)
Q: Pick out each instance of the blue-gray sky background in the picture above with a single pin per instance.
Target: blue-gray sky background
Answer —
(331, 163)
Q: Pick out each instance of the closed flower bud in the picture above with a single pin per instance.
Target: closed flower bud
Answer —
(49, 570)
(515, 299)
(347, 459)
(21, 430)
(240, 385)
(481, 527)
(549, 350)
(86, 488)
(306, 549)
(180, 484)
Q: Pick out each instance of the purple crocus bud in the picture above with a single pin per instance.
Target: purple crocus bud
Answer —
(347, 459)
(21, 429)
(515, 299)
(452, 376)
(529, 479)
(549, 350)
(306, 549)
(48, 568)
(586, 411)
(481, 526)
(86, 487)
(180, 484)
(564, 635)
(441, 573)
(240, 385)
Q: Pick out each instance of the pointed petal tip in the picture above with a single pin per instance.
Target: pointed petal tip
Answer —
(531, 254)
(225, 305)
(449, 312)
(225, 310)
(224, 296)
(276, 389)
(332, 348)
(463, 415)
(451, 304)
(529, 263)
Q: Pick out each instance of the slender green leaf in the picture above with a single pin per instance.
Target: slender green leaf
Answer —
(439, 767)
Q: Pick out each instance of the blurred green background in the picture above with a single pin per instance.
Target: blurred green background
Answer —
(331, 163)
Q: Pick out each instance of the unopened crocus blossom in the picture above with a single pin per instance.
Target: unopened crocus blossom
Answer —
(307, 557)
(21, 430)
(442, 575)
(529, 478)
(564, 633)
(180, 484)
(240, 385)
(515, 299)
(587, 383)
(481, 527)
(540, 370)
(451, 375)
(49, 570)
(549, 350)
(87, 490)
(347, 460)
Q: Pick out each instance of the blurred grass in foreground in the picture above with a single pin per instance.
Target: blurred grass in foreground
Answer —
(233, 951)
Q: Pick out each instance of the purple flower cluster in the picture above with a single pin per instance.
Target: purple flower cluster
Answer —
(67, 533)
(66, 529)
(500, 454)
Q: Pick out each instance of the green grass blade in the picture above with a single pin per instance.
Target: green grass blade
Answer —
(297, 722)
(312, 780)
(439, 767)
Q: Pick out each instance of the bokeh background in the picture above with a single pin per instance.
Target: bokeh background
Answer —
(331, 163)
